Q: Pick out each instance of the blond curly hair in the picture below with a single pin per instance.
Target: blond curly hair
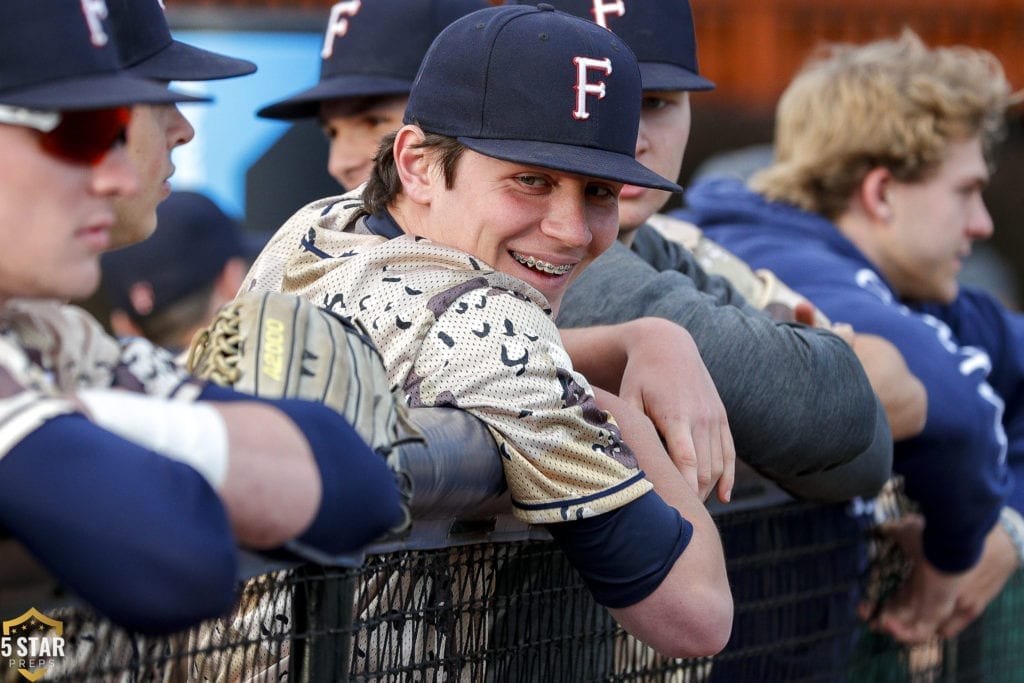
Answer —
(893, 103)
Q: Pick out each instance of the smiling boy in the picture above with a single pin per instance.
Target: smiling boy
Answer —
(479, 213)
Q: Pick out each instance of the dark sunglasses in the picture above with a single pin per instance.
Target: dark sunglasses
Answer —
(76, 136)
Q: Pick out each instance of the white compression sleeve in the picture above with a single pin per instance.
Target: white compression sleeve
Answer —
(193, 433)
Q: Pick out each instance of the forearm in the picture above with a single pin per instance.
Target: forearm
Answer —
(599, 353)
(798, 399)
(690, 612)
(456, 471)
(958, 497)
(272, 490)
(290, 469)
(902, 394)
(602, 353)
(863, 475)
(251, 454)
(142, 538)
(999, 560)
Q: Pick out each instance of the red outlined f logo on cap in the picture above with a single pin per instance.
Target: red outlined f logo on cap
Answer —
(603, 9)
(337, 25)
(584, 87)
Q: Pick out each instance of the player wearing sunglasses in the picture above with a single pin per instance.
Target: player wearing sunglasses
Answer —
(78, 136)
(130, 481)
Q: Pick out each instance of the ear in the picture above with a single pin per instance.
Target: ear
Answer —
(413, 165)
(875, 196)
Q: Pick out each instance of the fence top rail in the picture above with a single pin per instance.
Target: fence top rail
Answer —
(25, 583)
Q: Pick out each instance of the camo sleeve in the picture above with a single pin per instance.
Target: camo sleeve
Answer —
(454, 333)
(499, 356)
(27, 399)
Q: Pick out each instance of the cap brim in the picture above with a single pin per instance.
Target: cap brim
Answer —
(660, 76)
(306, 104)
(113, 89)
(183, 62)
(585, 161)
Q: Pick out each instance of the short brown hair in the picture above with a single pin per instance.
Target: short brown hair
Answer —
(384, 184)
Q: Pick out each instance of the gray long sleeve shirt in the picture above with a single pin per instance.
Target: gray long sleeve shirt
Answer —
(800, 407)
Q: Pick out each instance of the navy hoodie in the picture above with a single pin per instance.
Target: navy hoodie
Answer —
(969, 355)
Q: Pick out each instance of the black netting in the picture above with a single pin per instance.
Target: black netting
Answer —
(516, 611)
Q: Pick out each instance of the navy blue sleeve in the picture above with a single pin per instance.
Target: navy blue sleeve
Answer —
(361, 500)
(142, 538)
(978, 319)
(956, 468)
(624, 555)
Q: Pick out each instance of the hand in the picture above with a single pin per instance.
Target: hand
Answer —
(666, 378)
(983, 582)
(803, 312)
(654, 365)
(926, 601)
(766, 291)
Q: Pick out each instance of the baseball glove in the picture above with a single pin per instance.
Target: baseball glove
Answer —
(275, 345)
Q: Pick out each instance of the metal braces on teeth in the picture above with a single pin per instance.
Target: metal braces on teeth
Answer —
(543, 265)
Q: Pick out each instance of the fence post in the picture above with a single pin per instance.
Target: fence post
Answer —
(322, 617)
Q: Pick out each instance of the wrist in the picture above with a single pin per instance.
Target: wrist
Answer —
(1013, 524)
(192, 433)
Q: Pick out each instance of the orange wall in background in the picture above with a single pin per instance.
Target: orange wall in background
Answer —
(751, 48)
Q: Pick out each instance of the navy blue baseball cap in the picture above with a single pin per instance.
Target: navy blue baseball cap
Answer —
(536, 86)
(193, 240)
(148, 50)
(61, 55)
(660, 33)
(372, 48)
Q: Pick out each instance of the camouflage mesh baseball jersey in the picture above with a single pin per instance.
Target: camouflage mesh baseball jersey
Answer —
(48, 350)
(454, 332)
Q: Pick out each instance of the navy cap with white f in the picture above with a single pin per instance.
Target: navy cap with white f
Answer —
(372, 48)
(537, 86)
(660, 33)
(147, 48)
(59, 55)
